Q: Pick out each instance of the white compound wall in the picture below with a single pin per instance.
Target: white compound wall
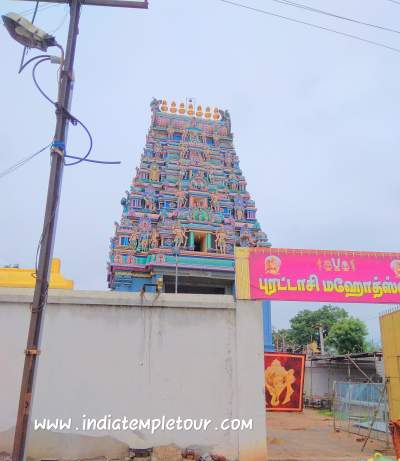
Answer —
(110, 353)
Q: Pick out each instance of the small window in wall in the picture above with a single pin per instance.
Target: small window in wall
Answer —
(199, 202)
(125, 241)
(213, 241)
(177, 136)
(200, 242)
(210, 141)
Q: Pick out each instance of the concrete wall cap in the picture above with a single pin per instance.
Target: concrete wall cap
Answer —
(121, 299)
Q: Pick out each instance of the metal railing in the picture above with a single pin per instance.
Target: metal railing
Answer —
(362, 409)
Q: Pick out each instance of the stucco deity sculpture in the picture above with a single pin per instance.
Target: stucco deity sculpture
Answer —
(154, 238)
(154, 173)
(220, 241)
(180, 238)
(133, 239)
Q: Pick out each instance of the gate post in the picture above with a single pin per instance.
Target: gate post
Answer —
(267, 326)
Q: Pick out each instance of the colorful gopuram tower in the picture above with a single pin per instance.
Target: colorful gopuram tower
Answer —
(187, 207)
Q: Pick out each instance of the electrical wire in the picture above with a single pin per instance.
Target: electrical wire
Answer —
(36, 83)
(35, 11)
(25, 50)
(333, 15)
(74, 120)
(309, 24)
(92, 161)
(41, 8)
(22, 162)
(85, 158)
(46, 227)
(33, 59)
(394, 1)
(62, 21)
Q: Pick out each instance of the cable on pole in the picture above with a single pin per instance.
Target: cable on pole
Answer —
(36, 83)
(309, 24)
(74, 120)
(333, 15)
(22, 162)
(25, 50)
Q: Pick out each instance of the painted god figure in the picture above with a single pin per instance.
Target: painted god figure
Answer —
(133, 239)
(272, 265)
(181, 196)
(395, 266)
(214, 202)
(154, 238)
(245, 239)
(144, 242)
(220, 241)
(149, 198)
(239, 213)
(180, 237)
(154, 173)
(277, 380)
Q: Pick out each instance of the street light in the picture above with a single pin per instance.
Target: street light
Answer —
(31, 36)
(24, 32)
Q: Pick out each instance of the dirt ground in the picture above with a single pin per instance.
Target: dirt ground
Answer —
(309, 436)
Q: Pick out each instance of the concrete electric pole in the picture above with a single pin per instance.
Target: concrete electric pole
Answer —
(321, 339)
(49, 226)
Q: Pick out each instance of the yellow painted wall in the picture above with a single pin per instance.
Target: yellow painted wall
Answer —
(390, 332)
(11, 277)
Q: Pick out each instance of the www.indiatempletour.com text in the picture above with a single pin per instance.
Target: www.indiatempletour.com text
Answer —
(108, 423)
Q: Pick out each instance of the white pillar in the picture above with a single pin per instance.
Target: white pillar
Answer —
(250, 379)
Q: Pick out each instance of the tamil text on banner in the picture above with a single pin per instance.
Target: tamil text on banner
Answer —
(284, 378)
(317, 275)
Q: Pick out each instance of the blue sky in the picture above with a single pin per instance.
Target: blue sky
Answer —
(315, 118)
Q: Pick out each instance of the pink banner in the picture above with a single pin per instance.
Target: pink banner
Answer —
(319, 275)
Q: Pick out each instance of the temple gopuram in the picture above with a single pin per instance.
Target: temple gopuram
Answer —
(187, 207)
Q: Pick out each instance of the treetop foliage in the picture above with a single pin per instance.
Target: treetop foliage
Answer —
(343, 333)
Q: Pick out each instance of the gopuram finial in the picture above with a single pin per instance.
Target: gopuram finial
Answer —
(164, 106)
(188, 109)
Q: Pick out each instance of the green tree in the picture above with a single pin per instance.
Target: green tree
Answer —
(372, 345)
(348, 335)
(305, 324)
(279, 334)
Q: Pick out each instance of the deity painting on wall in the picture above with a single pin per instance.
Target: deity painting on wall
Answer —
(284, 381)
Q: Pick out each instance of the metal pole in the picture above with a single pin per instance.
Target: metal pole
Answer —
(333, 405)
(321, 340)
(176, 271)
(374, 415)
(47, 240)
(358, 368)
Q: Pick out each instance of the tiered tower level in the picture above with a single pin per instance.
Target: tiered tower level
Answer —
(187, 206)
